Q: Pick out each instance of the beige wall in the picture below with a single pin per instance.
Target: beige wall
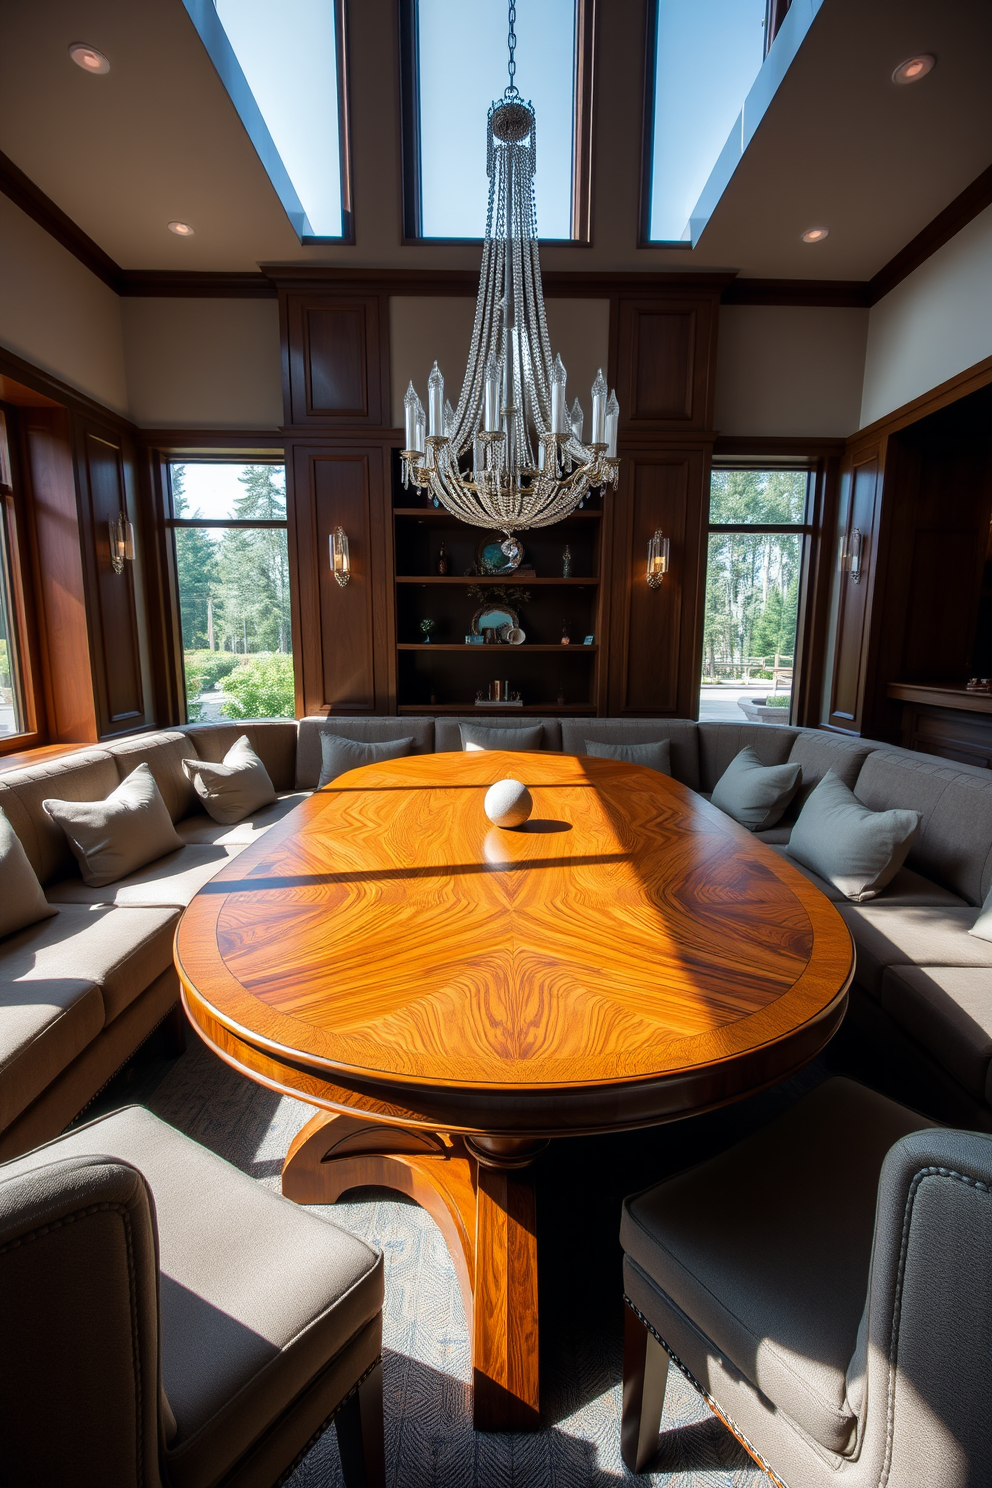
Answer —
(203, 363)
(428, 327)
(935, 324)
(789, 369)
(56, 314)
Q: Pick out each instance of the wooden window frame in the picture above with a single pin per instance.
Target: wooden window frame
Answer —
(584, 66)
(26, 659)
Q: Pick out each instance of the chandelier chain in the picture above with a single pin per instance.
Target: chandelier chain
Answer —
(511, 42)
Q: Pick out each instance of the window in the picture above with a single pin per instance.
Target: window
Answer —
(758, 532)
(232, 576)
(454, 66)
(16, 710)
(282, 62)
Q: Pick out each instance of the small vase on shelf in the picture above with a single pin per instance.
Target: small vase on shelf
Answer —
(426, 626)
(442, 561)
(566, 639)
(566, 563)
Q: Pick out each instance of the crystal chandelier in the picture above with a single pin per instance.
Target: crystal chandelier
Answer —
(511, 455)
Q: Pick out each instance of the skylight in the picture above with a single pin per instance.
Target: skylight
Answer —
(707, 55)
(280, 61)
(462, 54)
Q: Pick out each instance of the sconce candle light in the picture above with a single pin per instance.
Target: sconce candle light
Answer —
(658, 551)
(121, 542)
(340, 556)
(851, 556)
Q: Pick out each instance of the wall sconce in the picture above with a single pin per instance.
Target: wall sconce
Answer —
(850, 557)
(658, 551)
(340, 557)
(121, 542)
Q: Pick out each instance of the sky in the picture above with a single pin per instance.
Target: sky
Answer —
(709, 54)
(210, 490)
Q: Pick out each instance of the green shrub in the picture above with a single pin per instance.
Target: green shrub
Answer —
(210, 667)
(781, 701)
(260, 686)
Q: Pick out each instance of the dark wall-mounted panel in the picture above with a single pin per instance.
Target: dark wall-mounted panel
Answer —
(665, 355)
(860, 504)
(334, 357)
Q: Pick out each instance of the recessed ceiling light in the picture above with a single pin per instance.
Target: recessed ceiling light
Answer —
(914, 68)
(181, 229)
(88, 58)
(815, 234)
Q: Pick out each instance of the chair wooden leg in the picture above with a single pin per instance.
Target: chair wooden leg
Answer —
(645, 1374)
(360, 1435)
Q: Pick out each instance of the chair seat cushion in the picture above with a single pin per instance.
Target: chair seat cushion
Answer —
(202, 832)
(892, 934)
(257, 1294)
(172, 880)
(947, 1009)
(767, 1248)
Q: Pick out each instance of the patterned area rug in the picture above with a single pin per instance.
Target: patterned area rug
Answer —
(430, 1442)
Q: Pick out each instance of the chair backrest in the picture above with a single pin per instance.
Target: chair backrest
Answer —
(79, 1371)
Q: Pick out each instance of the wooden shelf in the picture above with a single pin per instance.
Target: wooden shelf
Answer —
(487, 579)
(436, 513)
(565, 709)
(489, 650)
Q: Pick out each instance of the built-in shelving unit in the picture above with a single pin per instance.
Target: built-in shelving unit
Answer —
(445, 674)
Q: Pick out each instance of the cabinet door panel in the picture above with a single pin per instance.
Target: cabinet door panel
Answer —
(664, 364)
(335, 373)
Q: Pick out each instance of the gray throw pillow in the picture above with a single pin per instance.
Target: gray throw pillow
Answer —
(518, 739)
(857, 850)
(657, 756)
(115, 837)
(983, 925)
(232, 790)
(22, 899)
(755, 794)
(338, 755)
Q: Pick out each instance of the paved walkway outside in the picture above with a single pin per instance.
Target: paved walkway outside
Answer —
(719, 704)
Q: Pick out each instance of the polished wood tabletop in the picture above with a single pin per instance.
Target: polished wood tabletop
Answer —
(629, 956)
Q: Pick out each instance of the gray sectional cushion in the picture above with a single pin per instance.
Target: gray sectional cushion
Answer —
(679, 732)
(954, 843)
(22, 899)
(947, 1009)
(653, 756)
(235, 788)
(856, 849)
(88, 775)
(755, 795)
(907, 888)
(44, 1023)
(257, 1294)
(720, 742)
(163, 753)
(274, 740)
(113, 837)
(169, 881)
(339, 755)
(525, 739)
(203, 832)
(363, 731)
(887, 934)
(448, 738)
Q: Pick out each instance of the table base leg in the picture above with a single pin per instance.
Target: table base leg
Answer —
(487, 1217)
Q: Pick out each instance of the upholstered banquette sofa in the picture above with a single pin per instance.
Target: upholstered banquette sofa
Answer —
(80, 991)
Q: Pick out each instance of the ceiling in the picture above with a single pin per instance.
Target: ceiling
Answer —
(158, 139)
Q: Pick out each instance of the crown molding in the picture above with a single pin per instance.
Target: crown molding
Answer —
(962, 210)
(22, 191)
(835, 293)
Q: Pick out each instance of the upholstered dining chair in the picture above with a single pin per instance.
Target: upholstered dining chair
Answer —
(166, 1321)
(826, 1285)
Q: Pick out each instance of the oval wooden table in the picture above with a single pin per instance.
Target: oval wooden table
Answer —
(453, 995)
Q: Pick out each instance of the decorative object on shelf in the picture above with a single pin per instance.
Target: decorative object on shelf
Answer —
(442, 560)
(508, 804)
(525, 464)
(474, 640)
(566, 638)
(515, 636)
(493, 593)
(658, 555)
(491, 636)
(491, 618)
(426, 627)
(851, 555)
(566, 563)
(589, 641)
(340, 557)
(121, 542)
(491, 560)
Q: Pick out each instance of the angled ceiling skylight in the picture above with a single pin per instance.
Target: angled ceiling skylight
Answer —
(281, 61)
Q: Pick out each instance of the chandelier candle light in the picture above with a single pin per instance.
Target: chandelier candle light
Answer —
(511, 455)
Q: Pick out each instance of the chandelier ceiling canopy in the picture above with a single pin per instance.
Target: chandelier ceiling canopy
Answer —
(511, 455)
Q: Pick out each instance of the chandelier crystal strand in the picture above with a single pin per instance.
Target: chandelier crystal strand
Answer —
(510, 456)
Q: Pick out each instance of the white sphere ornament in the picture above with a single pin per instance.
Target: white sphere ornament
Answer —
(508, 803)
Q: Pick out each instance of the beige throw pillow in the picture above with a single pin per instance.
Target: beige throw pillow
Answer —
(232, 790)
(115, 837)
(22, 899)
